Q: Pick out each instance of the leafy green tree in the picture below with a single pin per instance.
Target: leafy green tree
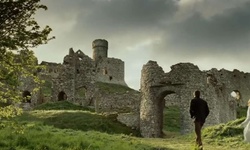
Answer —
(19, 35)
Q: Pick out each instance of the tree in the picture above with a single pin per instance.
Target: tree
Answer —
(19, 35)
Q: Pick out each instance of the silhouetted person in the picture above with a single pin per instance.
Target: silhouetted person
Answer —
(199, 111)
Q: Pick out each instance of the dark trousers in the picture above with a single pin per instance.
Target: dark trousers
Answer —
(198, 126)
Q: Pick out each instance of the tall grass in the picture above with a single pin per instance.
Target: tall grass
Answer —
(70, 127)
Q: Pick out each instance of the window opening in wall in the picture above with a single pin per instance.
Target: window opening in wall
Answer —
(110, 78)
(237, 96)
(77, 71)
(105, 71)
(26, 97)
(62, 96)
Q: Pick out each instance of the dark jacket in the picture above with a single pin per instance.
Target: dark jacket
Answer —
(199, 109)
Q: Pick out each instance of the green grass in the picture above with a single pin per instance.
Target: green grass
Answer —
(63, 126)
(113, 88)
(171, 119)
(241, 112)
(61, 105)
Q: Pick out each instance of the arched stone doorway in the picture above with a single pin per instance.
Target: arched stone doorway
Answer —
(155, 85)
(62, 96)
(172, 113)
(26, 97)
(152, 113)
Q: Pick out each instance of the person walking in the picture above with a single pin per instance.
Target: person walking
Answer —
(198, 111)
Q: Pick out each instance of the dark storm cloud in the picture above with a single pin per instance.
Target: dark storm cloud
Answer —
(123, 22)
(225, 32)
(208, 33)
(109, 16)
(122, 16)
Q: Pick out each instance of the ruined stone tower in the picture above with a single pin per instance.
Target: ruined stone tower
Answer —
(100, 49)
(108, 70)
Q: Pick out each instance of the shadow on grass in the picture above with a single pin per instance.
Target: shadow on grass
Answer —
(79, 120)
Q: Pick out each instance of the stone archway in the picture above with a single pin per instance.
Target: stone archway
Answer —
(26, 97)
(153, 91)
(62, 96)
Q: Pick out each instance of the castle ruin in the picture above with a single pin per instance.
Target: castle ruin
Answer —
(78, 78)
(215, 85)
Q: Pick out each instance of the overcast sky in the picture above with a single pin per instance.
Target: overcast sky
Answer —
(207, 33)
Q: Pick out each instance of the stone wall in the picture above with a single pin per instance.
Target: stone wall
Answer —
(77, 75)
(117, 102)
(183, 79)
(125, 105)
(110, 70)
(27, 89)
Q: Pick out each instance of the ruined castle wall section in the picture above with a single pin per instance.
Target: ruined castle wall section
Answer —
(27, 88)
(236, 81)
(84, 79)
(110, 70)
(77, 79)
(216, 87)
(126, 105)
(225, 82)
(192, 79)
(63, 87)
(118, 102)
(47, 73)
(49, 69)
(150, 107)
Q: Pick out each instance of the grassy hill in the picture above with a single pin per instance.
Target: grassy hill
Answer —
(64, 126)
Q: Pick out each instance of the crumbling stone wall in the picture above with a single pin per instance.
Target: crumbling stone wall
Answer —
(28, 92)
(109, 70)
(153, 91)
(183, 79)
(118, 102)
(76, 76)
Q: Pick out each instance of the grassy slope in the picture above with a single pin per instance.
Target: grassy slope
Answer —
(70, 127)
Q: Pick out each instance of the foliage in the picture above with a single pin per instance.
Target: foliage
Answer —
(85, 130)
(229, 129)
(171, 120)
(19, 34)
(241, 112)
(42, 137)
(61, 105)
